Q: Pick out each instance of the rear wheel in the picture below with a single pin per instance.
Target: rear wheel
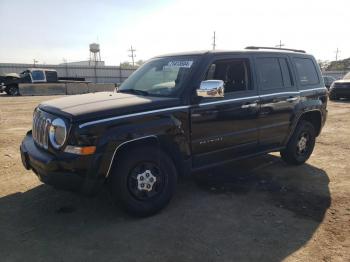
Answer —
(143, 180)
(12, 90)
(300, 145)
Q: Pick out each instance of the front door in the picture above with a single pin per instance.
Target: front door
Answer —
(226, 128)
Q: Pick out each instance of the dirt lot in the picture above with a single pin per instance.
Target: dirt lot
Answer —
(257, 210)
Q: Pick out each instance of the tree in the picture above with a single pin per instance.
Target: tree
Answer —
(126, 64)
(339, 65)
(324, 64)
(140, 62)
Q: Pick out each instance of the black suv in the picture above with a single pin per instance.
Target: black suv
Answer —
(176, 114)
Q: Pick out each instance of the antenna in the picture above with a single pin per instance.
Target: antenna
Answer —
(133, 55)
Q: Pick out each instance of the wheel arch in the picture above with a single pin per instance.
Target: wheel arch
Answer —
(150, 140)
(314, 117)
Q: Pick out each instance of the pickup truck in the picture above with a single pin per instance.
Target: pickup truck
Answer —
(340, 88)
(9, 82)
(176, 114)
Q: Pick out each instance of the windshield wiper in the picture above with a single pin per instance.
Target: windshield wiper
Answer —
(134, 91)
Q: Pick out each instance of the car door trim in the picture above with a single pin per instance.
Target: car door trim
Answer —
(131, 115)
(186, 107)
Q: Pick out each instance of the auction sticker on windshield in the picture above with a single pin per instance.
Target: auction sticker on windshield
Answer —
(185, 64)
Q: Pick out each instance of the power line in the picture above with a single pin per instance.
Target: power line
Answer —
(133, 55)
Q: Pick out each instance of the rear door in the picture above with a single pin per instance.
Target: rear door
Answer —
(225, 128)
(278, 97)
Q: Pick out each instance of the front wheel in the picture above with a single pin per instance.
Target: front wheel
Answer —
(143, 180)
(300, 145)
(12, 90)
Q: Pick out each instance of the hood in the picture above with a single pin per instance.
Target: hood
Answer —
(14, 75)
(104, 104)
(347, 81)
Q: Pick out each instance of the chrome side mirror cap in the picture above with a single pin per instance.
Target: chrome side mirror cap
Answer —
(211, 88)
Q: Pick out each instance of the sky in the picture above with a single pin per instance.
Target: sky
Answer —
(53, 31)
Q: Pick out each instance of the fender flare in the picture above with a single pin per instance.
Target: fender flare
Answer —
(123, 144)
(296, 121)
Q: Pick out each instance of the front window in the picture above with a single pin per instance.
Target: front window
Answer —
(160, 77)
(234, 72)
(347, 76)
(38, 75)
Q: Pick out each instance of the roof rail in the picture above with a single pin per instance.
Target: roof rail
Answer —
(274, 48)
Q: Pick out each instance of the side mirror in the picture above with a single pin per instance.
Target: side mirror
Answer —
(211, 88)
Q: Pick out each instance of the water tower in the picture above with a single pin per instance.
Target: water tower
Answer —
(95, 55)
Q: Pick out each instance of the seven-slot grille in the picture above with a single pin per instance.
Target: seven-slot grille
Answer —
(40, 131)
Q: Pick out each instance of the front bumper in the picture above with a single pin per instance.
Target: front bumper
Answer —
(68, 172)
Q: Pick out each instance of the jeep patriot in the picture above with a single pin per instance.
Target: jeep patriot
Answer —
(176, 114)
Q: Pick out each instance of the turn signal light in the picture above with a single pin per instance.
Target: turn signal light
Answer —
(84, 150)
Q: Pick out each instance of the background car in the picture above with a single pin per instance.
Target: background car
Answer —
(328, 81)
(340, 88)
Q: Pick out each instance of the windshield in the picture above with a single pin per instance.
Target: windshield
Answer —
(24, 73)
(347, 76)
(159, 77)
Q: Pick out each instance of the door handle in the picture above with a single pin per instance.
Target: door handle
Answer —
(249, 105)
(292, 99)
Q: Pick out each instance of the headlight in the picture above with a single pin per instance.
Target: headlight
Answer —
(58, 133)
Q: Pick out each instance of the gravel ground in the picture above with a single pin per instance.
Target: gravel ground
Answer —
(255, 210)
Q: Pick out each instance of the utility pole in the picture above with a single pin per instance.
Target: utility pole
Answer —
(66, 66)
(34, 62)
(280, 45)
(336, 54)
(132, 55)
(214, 41)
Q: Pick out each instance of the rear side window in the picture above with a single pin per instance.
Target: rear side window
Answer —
(269, 73)
(51, 76)
(306, 71)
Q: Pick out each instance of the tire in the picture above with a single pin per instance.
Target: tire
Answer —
(138, 165)
(332, 97)
(13, 90)
(301, 144)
